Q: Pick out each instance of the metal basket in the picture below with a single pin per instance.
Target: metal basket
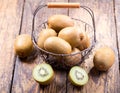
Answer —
(58, 60)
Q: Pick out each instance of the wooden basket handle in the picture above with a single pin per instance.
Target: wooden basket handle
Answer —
(62, 5)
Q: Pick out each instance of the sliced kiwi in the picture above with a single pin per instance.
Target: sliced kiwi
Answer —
(78, 76)
(43, 73)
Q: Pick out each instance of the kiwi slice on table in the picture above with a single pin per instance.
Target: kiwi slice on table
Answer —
(43, 73)
(78, 76)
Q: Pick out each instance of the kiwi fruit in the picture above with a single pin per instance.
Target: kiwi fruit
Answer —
(59, 21)
(104, 58)
(84, 41)
(71, 35)
(43, 73)
(57, 45)
(44, 34)
(23, 45)
(73, 59)
(78, 76)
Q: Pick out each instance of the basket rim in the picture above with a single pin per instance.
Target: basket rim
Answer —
(55, 54)
(47, 52)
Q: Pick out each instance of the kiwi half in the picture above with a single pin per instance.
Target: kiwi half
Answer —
(43, 73)
(78, 76)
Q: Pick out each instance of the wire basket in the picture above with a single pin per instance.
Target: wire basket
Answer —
(59, 60)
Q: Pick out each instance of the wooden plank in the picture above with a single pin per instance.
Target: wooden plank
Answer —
(117, 19)
(23, 81)
(10, 19)
(117, 13)
(100, 82)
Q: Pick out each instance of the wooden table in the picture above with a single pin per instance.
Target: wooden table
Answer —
(16, 74)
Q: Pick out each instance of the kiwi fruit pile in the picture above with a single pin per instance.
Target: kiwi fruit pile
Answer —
(62, 37)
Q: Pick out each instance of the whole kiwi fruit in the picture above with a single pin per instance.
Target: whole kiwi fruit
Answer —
(59, 21)
(104, 58)
(43, 73)
(44, 34)
(73, 59)
(78, 76)
(57, 45)
(84, 41)
(23, 45)
(71, 35)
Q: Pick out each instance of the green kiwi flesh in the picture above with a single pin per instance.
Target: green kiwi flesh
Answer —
(43, 73)
(78, 76)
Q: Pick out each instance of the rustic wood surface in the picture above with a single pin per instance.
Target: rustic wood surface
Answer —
(117, 24)
(16, 74)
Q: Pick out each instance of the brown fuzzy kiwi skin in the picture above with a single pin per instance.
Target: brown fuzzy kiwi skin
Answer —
(71, 35)
(84, 41)
(23, 45)
(59, 21)
(44, 34)
(57, 45)
(104, 58)
(74, 59)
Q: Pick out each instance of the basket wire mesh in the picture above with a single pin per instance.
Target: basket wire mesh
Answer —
(58, 60)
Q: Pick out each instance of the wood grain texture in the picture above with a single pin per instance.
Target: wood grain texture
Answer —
(10, 19)
(117, 18)
(16, 74)
(23, 81)
(100, 82)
